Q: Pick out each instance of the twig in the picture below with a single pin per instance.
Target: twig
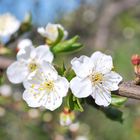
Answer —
(129, 89)
(126, 89)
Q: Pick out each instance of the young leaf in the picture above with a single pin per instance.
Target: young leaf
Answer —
(60, 70)
(67, 46)
(117, 100)
(113, 114)
(74, 103)
(69, 74)
(59, 38)
(110, 112)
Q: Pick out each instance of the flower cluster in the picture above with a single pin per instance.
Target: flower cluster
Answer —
(44, 86)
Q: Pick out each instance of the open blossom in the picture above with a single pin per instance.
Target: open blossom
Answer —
(46, 88)
(51, 31)
(8, 25)
(94, 76)
(24, 43)
(29, 60)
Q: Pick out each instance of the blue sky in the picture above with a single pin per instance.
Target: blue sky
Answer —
(43, 10)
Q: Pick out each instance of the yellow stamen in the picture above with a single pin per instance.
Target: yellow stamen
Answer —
(32, 67)
(48, 86)
(96, 78)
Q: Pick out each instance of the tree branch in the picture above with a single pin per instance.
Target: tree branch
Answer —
(129, 90)
(126, 89)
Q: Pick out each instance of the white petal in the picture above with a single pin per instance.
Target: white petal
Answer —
(17, 72)
(49, 71)
(36, 98)
(82, 66)
(61, 86)
(24, 53)
(23, 43)
(52, 31)
(52, 101)
(43, 53)
(41, 31)
(111, 81)
(102, 96)
(33, 79)
(102, 63)
(33, 97)
(81, 87)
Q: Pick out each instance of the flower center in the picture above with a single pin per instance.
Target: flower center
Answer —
(32, 67)
(96, 78)
(52, 30)
(47, 85)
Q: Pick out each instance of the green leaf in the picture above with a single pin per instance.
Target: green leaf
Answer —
(69, 74)
(74, 103)
(113, 114)
(110, 112)
(117, 100)
(59, 38)
(67, 46)
(60, 70)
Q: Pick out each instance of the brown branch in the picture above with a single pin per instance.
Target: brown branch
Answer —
(129, 90)
(126, 89)
(109, 12)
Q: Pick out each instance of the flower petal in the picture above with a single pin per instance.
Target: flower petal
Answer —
(33, 97)
(17, 72)
(24, 53)
(61, 86)
(81, 87)
(82, 66)
(111, 81)
(52, 101)
(102, 96)
(23, 43)
(41, 31)
(34, 79)
(52, 31)
(102, 63)
(49, 71)
(43, 53)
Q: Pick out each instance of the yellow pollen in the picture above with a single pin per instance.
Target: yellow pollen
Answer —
(52, 30)
(96, 78)
(48, 86)
(32, 67)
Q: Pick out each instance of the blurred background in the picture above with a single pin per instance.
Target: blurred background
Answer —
(112, 26)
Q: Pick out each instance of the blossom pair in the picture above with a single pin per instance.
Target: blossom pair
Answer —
(43, 85)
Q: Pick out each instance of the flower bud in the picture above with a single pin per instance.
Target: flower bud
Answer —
(66, 117)
(135, 59)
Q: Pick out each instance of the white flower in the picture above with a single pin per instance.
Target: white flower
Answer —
(94, 77)
(51, 31)
(24, 43)
(8, 25)
(46, 88)
(29, 60)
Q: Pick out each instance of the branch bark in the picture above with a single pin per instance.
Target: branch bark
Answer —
(129, 90)
(126, 89)
(109, 12)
